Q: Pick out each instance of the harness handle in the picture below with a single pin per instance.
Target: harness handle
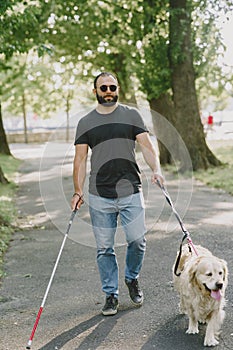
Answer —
(179, 256)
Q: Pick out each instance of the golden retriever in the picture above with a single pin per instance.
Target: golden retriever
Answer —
(201, 285)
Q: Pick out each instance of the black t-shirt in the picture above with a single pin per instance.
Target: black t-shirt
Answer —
(111, 137)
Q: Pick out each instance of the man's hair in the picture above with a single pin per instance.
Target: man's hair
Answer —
(104, 74)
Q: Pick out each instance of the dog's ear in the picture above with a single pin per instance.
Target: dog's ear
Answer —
(193, 270)
(225, 270)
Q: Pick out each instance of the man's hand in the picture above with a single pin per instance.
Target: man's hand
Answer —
(76, 201)
(157, 177)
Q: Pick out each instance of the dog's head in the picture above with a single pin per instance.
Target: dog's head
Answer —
(209, 274)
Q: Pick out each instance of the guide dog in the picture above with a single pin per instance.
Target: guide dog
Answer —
(201, 284)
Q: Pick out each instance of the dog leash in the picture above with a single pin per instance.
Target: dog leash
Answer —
(186, 234)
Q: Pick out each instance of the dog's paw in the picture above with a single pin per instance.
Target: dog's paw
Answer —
(193, 326)
(192, 330)
(210, 341)
(182, 311)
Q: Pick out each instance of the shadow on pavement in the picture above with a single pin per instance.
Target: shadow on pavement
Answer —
(102, 327)
(172, 335)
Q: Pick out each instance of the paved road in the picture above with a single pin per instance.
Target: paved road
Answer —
(71, 318)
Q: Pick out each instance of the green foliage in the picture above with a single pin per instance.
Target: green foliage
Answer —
(131, 38)
(220, 177)
(10, 166)
(97, 31)
(18, 27)
(24, 86)
(7, 206)
(208, 48)
(7, 217)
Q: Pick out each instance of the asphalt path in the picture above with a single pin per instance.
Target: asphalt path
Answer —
(72, 318)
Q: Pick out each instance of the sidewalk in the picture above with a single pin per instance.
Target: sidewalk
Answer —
(71, 318)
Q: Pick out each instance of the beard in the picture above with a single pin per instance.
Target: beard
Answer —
(105, 102)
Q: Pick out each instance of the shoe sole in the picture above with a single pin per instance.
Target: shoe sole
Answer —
(109, 313)
(136, 304)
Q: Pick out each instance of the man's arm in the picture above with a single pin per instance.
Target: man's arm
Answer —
(150, 156)
(79, 173)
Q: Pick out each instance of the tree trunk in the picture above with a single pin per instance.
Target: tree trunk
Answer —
(127, 94)
(67, 118)
(4, 148)
(188, 121)
(3, 179)
(24, 118)
(162, 111)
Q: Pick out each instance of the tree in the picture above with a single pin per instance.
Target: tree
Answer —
(4, 148)
(155, 75)
(3, 179)
(27, 88)
(18, 23)
(173, 61)
(188, 120)
(137, 39)
(155, 40)
(103, 47)
(213, 80)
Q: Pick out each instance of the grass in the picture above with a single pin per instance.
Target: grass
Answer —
(8, 213)
(220, 177)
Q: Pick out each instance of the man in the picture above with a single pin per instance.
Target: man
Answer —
(110, 131)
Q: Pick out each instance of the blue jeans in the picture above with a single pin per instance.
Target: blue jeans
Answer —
(104, 213)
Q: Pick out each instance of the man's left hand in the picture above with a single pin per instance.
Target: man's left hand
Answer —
(157, 177)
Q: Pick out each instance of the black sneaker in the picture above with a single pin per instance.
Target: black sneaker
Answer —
(135, 293)
(111, 306)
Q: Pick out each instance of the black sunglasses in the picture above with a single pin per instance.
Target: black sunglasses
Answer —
(104, 88)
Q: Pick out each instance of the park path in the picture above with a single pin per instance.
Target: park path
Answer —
(71, 318)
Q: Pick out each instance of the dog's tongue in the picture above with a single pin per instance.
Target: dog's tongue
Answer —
(216, 294)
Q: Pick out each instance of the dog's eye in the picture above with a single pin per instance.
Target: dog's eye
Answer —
(220, 273)
(209, 274)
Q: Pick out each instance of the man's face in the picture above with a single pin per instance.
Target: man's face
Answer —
(107, 91)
